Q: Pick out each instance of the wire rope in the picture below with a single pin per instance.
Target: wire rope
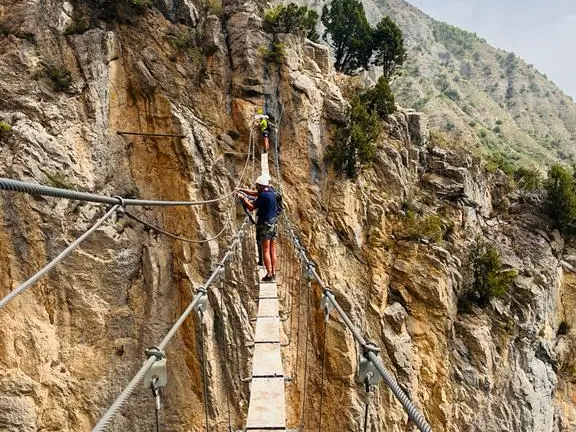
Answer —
(34, 278)
(137, 379)
(204, 375)
(225, 352)
(37, 189)
(174, 236)
(304, 398)
(323, 373)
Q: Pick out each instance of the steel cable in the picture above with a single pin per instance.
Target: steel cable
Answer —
(137, 379)
(174, 236)
(225, 351)
(38, 189)
(59, 258)
(204, 375)
(303, 414)
(413, 412)
(323, 373)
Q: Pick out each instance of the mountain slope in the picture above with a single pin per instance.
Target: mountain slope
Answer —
(479, 94)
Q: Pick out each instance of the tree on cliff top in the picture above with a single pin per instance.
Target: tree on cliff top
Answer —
(349, 34)
(388, 43)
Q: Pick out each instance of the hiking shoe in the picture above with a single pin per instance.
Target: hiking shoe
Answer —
(268, 278)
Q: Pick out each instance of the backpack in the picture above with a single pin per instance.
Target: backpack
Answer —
(279, 202)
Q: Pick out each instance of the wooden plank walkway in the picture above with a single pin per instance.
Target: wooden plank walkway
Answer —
(267, 408)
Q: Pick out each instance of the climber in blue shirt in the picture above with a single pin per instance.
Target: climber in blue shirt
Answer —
(267, 224)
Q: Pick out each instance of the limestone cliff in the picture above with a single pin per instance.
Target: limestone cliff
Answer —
(70, 344)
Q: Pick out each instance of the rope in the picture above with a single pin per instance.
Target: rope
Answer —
(58, 259)
(366, 415)
(175, 237)
(413, 412)
(225, 352)
(323, 373)
(276, 150)
(36, 189)
(303, 414)
(204, 377)
(129, 389)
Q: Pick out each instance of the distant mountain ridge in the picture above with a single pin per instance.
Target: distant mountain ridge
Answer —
(477, 94)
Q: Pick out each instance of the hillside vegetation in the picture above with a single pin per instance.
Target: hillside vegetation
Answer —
(485, 97)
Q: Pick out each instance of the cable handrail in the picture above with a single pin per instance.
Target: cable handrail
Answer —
(139, 376)
(43, 190)
(40, 273)
(413, 412)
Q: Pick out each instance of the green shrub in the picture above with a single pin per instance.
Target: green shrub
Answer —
(430, 227)
(488, 278)
(183, 40)
(5, 130)
(292, 19)
(561, 196)
(528, 179)
(275, 54)
(354, 145)
(379, 99)
(60, 76)
(499, 161)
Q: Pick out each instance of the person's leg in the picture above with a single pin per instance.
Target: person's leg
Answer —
(273, 256)
(265, 143)
(267, 260)
(260, 259)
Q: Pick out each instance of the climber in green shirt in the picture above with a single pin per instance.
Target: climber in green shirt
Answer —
(262, 120)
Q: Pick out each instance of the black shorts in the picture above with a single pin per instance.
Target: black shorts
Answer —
(265, 133)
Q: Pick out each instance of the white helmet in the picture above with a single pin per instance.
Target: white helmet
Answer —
(263, 180)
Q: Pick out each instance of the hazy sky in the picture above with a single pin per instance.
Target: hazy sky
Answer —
(542, 33)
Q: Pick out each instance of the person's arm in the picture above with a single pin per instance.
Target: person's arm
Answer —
(249, 204)
(249, 192)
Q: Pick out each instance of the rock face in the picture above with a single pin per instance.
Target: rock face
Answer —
(71, 343)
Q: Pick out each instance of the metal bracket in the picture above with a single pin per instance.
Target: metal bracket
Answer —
(157, 376)
(202, 304)
(368, 375)
(326, 305)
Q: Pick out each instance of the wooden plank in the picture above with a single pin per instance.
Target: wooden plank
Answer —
(268, 307)
(267, 360)
(267, 407)
(264, 163)
(267, 330)
(268, 290)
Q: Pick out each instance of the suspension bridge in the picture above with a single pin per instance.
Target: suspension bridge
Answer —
(267, 408)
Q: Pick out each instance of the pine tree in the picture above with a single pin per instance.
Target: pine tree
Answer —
(388, 42)
(349, 34)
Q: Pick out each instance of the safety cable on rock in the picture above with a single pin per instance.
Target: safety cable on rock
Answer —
(304, 397)
(58, 259)
(413, 412)
(174, 236)
(323, 371)
(38, 189)
(224, 334)
(204, 374)
(137, 379)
